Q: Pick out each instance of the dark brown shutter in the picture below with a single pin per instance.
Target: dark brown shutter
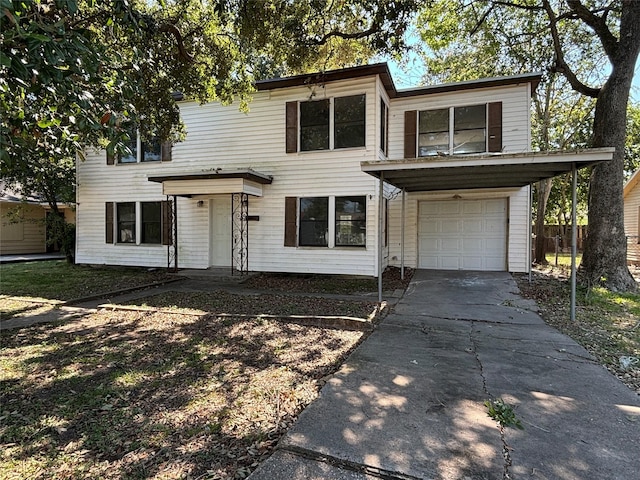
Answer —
(167, 222)
(111, 158)
(495, 127)
(410, 139)
(292, 127)
(290, 214)
(108, 222)
(165, 151)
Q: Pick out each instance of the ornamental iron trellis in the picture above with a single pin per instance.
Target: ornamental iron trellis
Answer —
(171, 218)
(240, 233)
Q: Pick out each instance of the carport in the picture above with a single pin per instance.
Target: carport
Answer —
(488, 170)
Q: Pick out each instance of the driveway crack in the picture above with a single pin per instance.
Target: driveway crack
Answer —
(474, 350)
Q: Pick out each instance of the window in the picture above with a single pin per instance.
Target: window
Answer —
(147, 223)
(151, 222)
(351, 221)
(326, 124)
(434, 132)
(153, 150)
(314, 222)
(348, 123)
(126, 214)
(384, 120)
(457, 130)
(325, 221)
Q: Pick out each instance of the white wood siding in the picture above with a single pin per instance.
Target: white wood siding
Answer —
(518, 246)
(632, 223)
(225, 138)
(515, 114)
(221, 137)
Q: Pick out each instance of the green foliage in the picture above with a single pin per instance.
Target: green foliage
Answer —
(503, 414)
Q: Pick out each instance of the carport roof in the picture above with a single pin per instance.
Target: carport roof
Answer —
(491, 170)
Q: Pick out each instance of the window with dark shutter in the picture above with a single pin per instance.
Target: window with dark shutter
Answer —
(108, 222)
(166, 148)
(292, 127)
(314, 125)
(495, 127)
(290, 216)
(410, 140)
(111, 159)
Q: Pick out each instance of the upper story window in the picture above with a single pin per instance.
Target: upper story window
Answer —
(384, 122)
(453, 131)
(153, 150)
(326, 124)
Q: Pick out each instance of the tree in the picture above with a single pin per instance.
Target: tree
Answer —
(616, 27)
(508, 45)
(82, 73)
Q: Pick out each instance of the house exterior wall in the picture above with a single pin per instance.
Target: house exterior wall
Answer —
(27, 236)
(632, 222)
(222, 137)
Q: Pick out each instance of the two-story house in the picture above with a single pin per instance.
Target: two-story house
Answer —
(294, 184)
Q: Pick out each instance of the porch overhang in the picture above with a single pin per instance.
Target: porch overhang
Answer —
(490, 170)
(213, 182)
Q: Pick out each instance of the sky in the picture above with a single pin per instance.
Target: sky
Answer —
(411, 74)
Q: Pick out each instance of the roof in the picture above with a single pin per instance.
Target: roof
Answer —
(15, 196)
(382, 70)
(499, 170)
(246, 174)
(631, 183)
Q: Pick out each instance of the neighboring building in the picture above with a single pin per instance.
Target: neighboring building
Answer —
(293, 185)
(22, 223)
(632, 217)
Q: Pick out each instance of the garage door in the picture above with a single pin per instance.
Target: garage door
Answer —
(463, 234)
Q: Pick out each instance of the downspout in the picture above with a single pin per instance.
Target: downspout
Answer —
(530, 241)
(380, 216)
(175, 230)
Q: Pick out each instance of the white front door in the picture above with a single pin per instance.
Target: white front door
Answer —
(220, 231)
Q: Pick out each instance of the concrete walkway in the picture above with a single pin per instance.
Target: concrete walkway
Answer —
(408, 403)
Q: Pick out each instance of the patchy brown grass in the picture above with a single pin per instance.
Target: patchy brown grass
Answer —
(607, 323)
(155, 395)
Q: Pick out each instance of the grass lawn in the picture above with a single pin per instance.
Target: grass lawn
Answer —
(58, 280)
(155, 395)
(607, 323)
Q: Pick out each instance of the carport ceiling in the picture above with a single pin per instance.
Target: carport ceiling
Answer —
(481, 171)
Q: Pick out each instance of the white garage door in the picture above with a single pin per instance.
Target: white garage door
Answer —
(463, 234)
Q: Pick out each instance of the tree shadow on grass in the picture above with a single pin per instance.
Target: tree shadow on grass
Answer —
(131, 395)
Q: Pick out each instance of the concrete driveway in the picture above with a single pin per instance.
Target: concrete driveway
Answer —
(409, 402)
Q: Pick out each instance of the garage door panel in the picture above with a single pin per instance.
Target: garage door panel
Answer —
(463, 234)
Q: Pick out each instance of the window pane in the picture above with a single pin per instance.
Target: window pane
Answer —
(126, 222)
(132, 145)
(469, 134)
(151, 150)
(433, 136)
(434, 121)
(383, 127)
(469, 117)
(314, 223)
(314, 125)
(351, 221)
(151, 223)
(349, 120)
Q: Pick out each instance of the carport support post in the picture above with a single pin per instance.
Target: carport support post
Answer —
(401, 236)
(380, 217)
(574, 238)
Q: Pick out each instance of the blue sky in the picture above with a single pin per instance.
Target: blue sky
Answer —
(411, 75)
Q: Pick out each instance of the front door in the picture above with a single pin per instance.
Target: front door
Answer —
(220, 232)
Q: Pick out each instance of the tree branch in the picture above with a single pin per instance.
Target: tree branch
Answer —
(173, 30)
(598, 24)
(560, 63)
(346, 36)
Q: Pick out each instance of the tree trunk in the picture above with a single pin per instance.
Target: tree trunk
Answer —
(540, 248)
(604, 261)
